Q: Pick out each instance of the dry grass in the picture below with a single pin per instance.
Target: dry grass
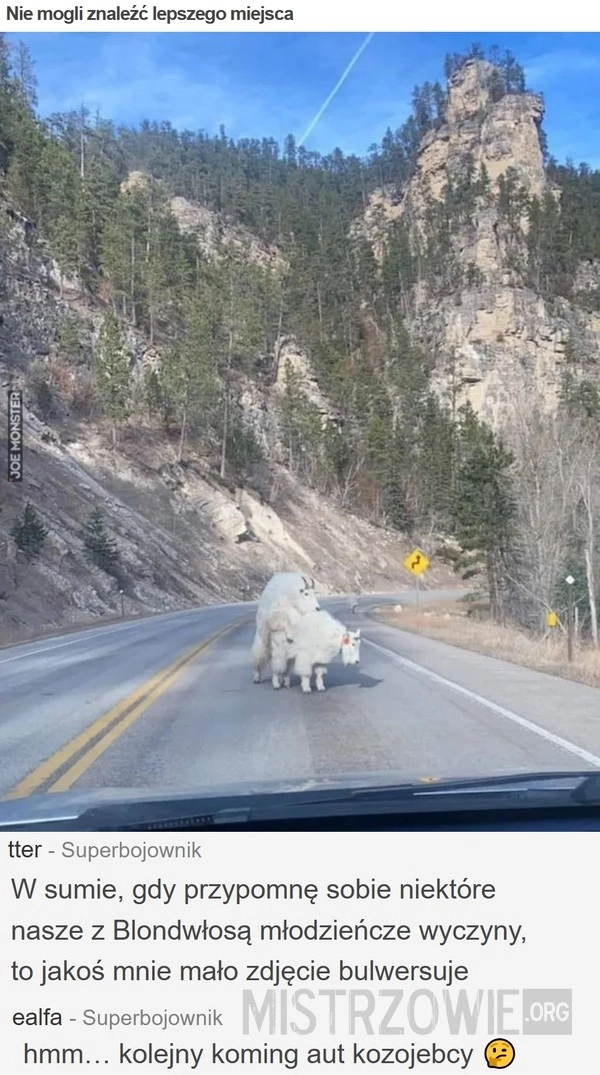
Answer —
(450, 622)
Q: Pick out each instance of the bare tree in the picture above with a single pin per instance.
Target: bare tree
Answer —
(557, 490)
(545, 487)
(345, 488)
(588, 513)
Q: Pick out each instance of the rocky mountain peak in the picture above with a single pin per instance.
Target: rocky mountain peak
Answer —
(488, 129)
(469, 90)
(475, 307)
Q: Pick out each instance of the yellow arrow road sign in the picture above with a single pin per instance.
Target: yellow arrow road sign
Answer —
(417, 562)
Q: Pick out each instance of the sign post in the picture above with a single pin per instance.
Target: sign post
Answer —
(570, 580)
(417, 562)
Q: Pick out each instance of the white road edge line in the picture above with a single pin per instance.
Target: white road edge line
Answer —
(531, 727)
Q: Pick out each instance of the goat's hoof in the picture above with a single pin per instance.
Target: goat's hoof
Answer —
(286, 683)
(320, 687)
(257, 677)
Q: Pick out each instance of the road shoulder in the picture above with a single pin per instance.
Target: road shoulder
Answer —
(561, 707)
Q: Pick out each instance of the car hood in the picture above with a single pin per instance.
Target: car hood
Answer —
(63, 806)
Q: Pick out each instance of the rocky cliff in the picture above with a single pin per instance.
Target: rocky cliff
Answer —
(491, 334)
(486, 329)
(184, 536)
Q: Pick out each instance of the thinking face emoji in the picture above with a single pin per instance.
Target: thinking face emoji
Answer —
(499, 1053)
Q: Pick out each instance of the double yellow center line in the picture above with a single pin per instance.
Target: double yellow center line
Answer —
(72, 760)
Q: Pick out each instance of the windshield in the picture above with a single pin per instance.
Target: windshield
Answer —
(302, 413)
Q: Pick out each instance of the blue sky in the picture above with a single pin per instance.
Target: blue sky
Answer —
(272, 84)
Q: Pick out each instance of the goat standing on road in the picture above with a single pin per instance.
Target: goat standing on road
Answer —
(312, 642)
(286, 596)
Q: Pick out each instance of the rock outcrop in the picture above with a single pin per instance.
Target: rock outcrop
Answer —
(212, 233)
(487, 331)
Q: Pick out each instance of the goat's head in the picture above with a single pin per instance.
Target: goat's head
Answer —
(308, 600)
(350, 647)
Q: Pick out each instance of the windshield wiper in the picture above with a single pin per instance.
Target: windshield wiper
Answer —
(569, 783)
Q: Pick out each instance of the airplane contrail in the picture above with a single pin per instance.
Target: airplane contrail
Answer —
(335, 89)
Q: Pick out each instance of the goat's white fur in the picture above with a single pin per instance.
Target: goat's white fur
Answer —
(286, 596)
(317, 638)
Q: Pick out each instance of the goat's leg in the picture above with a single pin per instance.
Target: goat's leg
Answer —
(320, 671)
(279, 659)
(260, 653)
(304, 670)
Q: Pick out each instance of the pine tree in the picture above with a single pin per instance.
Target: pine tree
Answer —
(153, 393)
(25, 75)
(291, 393)
(395, 485)
(6, 104)
(101, 549)
(189, 383)
(302, 430)
(29, 533)
(21, 134)
(120, 245)
(239, 331)
(435, 453)
(496, 85)
(113, 372)
(68, 339)
(483, 506)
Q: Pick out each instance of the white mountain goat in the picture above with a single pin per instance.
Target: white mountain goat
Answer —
(316, 639)
(286, 596)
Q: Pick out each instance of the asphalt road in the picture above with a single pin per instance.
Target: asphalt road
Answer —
(158, 703)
